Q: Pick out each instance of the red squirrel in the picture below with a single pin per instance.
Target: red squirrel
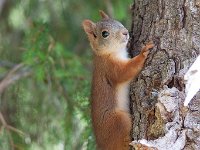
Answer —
(112, 74)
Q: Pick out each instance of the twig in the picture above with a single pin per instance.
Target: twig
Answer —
(4, 124)
(8, 129)
(12, 71)
(14, 75)
(15, 130)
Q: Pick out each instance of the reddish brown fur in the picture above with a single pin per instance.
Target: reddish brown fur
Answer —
(111, 125)
(112, 73)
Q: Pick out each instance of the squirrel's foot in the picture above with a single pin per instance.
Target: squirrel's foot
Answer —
(145, 49)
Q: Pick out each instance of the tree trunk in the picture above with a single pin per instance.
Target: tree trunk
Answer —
(158, 94)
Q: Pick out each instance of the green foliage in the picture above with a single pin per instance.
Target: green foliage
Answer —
(52, 105)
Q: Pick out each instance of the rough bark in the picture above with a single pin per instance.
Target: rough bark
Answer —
(158, 93)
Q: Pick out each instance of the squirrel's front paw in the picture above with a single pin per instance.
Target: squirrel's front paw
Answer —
(145, 49)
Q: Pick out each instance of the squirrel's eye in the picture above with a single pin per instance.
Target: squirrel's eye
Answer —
(105, 34)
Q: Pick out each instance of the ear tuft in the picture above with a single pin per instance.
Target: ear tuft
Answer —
(88, 26)
(103, 14)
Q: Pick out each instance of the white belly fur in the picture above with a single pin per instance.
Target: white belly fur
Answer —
(122, 92)
(122, 95)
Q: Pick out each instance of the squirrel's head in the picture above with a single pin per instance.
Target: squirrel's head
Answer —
(106, 36)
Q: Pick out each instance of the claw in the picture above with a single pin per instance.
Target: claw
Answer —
(150, 45)
(145, 50)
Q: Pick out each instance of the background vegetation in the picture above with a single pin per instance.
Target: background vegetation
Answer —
(45, 72)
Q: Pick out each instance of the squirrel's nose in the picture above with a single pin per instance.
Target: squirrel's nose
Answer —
(125, 32)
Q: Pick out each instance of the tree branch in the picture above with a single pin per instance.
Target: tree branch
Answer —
(16, 73)
(8, 129)
(4, 124)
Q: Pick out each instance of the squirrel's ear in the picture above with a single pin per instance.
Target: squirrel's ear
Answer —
(103, 14)
(89, 26)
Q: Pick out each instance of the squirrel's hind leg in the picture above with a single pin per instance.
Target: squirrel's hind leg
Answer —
(118, 127)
